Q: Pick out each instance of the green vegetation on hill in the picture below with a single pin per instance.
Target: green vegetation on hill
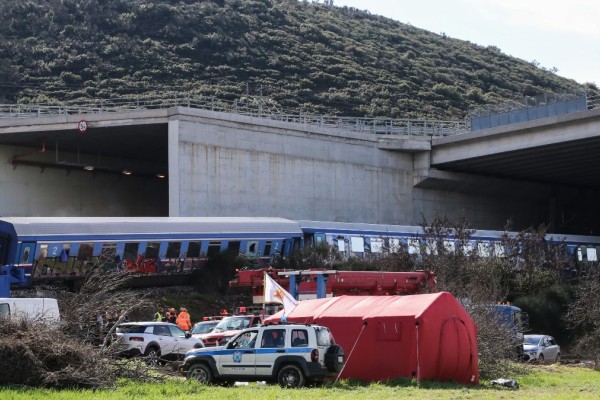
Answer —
(302, 56)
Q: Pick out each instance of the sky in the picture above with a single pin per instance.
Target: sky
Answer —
(557, 34)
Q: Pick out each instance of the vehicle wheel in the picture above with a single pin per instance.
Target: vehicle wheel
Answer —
(200, 373)
(152, 355)
(332, 357)
(541, 359)
(290, 376)
(557, 360)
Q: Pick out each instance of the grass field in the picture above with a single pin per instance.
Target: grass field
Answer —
(545, 382)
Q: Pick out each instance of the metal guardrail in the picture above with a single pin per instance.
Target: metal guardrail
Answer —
(251, 107)
(257, 107)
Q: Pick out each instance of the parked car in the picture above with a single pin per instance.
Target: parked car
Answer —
(203, 328)
(540, 348)
(157, 341)
(229, 327)
(291, 355)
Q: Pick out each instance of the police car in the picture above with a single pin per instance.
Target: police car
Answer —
(291, 355)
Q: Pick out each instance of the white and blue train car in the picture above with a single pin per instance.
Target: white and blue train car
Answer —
(66, 247)
(362, 240)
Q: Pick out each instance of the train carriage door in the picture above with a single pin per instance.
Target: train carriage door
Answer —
(26, 254)
(4, 242)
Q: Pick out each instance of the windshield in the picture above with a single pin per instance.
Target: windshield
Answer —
(204, 327)
(233, 323)
(532, 340)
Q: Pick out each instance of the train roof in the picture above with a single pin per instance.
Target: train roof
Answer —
(48, 226)
(351, 227)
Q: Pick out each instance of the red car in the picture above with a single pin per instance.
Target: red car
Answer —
(229, 326)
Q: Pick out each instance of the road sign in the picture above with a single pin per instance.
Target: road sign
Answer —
(82, 126)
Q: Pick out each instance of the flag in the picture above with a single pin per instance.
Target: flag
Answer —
(274, 293)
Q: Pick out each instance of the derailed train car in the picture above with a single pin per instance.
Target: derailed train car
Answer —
(67, 248)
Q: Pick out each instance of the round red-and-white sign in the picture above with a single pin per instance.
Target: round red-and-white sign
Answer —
(82, 126)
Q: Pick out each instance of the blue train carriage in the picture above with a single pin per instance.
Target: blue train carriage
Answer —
(367, 240)
(55, 247)
(359, 239)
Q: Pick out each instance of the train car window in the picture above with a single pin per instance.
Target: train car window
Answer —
(267, 251)
(483, 249)
(152, 250)
(499, 250)
(233, 247)
(251, 249)
(450, 246)
(376, 245)
(414, 247)
(86, 251)
(173, 249)
(341, 245)
(319, 238)
(43, 252)
(214, 248)
(591, 254)
(194, 249)
(394, 245)
(431, 248)
(108, 253)
(131, 251)
(468, 248)
(357, 244)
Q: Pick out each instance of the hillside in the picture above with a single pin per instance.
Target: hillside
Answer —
(301, 56)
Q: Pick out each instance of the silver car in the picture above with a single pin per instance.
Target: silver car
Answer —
(540, 348)
(157, 341)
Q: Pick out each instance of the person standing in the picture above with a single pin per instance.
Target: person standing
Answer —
(158, 315)
(172, 316)
(183, 320)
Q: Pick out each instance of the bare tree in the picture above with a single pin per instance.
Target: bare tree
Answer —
(68, 354)
(584, 314)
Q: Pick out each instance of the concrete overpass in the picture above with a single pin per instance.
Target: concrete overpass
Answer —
(186, 161)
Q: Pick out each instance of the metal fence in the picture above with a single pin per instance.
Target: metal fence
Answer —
(251, 107)
(258, 107)
(531, 108)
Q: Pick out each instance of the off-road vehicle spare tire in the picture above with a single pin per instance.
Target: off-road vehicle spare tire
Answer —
(333, 362)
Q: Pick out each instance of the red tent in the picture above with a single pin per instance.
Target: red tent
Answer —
(427, 336)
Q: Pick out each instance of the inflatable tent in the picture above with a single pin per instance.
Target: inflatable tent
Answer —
(427, 337)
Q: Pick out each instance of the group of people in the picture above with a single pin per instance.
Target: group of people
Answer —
(107, 319)
(181, 319)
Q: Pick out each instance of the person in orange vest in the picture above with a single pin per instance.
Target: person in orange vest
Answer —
(183, 320)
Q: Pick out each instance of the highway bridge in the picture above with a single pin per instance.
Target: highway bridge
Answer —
(185, 158)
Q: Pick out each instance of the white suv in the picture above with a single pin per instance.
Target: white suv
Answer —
(158, 341)
(291, 355)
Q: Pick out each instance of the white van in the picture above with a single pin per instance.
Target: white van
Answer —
(45, 309)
